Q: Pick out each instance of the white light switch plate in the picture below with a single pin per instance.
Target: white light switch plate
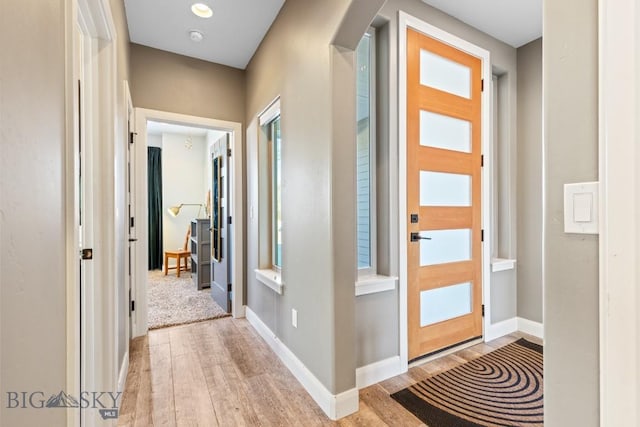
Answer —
(581, 208)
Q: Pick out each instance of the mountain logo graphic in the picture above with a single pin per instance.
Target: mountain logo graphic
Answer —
(62, 400)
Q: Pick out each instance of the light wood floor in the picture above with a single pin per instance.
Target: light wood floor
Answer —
(221, 373)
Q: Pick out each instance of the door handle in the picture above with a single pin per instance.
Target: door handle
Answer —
(416, 237)
(133, 240)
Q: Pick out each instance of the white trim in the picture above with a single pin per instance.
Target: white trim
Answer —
(92, 19)
(124, 370)
(378, 371)
(374, 284)
(500, 329)
(405, 21)
(142, 115)
(73, 344)
(530, 327)
(270, 113)
(334, 405)
(619, 157)
(271, 279)
(502, 264)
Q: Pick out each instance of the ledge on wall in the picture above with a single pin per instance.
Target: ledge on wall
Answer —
(373, 284)
(502, 264)
(271, 279)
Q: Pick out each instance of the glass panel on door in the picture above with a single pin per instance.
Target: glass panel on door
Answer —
(445, 246)
(444, 189)
(438, 305)
(448, 133)
(445, 75)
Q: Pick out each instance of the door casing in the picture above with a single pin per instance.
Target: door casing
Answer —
(408, 21)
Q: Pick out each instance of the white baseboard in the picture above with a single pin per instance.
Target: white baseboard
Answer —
(514, 324)
(124, 370)
(378, 371)
(530, 327)
(334, 405)
(500, 329)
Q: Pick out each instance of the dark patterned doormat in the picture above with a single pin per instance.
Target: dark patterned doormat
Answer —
(501, 388)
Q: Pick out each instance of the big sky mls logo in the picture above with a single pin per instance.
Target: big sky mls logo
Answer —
(105, 402)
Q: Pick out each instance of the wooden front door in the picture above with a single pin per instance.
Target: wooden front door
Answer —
(444, 90)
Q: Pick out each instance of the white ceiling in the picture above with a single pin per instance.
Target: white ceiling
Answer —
(234, 32)
(158, 128)
(515, 22)
(231, 35)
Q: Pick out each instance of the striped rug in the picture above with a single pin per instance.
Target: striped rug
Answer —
(501, 388)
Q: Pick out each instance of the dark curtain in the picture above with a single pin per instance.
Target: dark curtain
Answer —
(154, 177)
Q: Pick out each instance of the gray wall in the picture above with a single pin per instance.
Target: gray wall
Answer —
(32, 208)
(296, 64)
(530, 181)
(379, 339)
(169, 82)
(570, 64)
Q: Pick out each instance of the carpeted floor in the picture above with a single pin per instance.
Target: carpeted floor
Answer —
(176, 301)
(501, 388)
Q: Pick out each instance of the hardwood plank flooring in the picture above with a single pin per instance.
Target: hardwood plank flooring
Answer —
(221, 373)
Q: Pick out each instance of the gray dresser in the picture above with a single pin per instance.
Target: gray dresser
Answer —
(201, 253)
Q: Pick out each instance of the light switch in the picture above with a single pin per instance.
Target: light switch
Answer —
(581, 208)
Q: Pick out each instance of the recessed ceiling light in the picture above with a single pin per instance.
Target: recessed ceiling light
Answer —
(202, 10)
(196, 36)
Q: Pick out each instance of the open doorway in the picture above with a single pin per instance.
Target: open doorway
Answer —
(178, 196)
(179, 184)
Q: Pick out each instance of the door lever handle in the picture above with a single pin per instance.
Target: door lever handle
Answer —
(415, 237)
(133, 240)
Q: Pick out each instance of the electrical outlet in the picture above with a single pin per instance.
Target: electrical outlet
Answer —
(294, 317)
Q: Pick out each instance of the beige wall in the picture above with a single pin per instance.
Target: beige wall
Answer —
(32, 206)
(530, 181)
(33, 233)
(570, 75)
(169, 82)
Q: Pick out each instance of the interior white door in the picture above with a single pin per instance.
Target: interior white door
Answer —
(130, 264)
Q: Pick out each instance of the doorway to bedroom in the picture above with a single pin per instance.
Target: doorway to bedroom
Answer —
(186, 200)
(179, 187)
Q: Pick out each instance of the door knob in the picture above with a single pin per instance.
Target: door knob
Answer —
(415, 237)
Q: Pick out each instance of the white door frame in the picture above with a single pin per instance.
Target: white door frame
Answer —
(619, 162)
(140, 316)
(95, 21)
(408, 21)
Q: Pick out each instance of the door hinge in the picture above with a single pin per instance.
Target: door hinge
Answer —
(482, 310)
(229, 152)
(482, 235)
(229, 287)
(482, 85)
(86, 254)
(132, 222)
(131, 135)
(229, 221)
(482, 160)
(133, 306)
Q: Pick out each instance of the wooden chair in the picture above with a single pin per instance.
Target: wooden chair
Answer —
(179, 255)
